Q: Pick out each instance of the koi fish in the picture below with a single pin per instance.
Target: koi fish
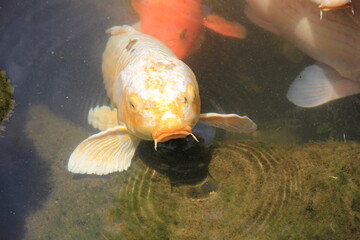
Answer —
(177, 23)
(327, 5)
(334, 42)
(155, 97)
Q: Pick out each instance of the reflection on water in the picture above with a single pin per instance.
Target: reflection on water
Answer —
(238, 188)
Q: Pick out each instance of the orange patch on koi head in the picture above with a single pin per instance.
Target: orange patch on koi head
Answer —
(161, 118)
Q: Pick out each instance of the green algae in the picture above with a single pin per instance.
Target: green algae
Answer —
(253, 190)
(6, 98)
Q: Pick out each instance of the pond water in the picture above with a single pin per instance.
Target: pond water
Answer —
(296, 177)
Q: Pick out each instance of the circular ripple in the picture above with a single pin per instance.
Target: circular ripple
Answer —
(147, 206)
(252, 191)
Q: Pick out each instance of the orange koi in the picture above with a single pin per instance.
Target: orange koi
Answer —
(178, 23)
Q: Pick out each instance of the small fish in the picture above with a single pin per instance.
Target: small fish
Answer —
(155, 97)
(177, 23)
(334, 42)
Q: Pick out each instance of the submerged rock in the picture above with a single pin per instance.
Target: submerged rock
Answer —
(6, 100)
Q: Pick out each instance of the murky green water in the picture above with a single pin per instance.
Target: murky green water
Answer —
(297, 177)
(252, 190)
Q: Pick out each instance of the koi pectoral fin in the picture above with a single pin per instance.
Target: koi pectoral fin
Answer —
(230, 122)
(103, 117)
(318, 84)
(224, 27)
(103, 153)
(136, 4)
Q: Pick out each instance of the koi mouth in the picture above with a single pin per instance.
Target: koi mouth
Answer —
(335, 7)
(325, 7)
(173, 135)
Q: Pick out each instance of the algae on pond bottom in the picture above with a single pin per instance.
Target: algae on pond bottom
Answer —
(6, 98)
(75, 207)
(253, 191)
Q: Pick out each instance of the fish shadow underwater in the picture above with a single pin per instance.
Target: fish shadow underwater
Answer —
(183, 161)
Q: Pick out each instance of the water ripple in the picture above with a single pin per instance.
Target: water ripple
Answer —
(252, 191)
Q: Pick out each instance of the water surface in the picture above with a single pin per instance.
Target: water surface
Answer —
(52, 50)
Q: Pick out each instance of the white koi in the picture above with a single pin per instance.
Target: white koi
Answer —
(334, 42)
(155, 97)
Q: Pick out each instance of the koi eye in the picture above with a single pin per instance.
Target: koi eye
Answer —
(183, 99)
(132, 105)
(182, 35)
(134, 101)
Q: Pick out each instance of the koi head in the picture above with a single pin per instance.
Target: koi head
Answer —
(163, 102)
(327, 5)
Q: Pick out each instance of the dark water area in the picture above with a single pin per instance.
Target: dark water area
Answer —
(51, 52)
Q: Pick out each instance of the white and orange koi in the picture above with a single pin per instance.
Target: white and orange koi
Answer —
(334, 42)
(155, 97)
